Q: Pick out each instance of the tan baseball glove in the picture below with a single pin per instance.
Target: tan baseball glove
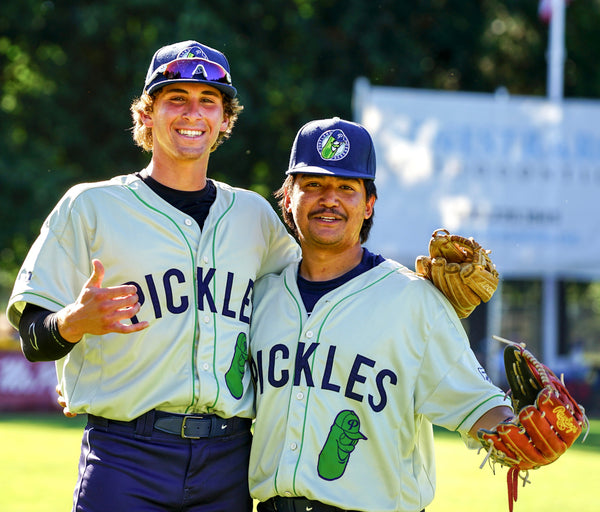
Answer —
(548, 420)
(461, 269)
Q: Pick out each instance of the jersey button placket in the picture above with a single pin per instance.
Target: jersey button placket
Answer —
(205, 319)
(297, 412)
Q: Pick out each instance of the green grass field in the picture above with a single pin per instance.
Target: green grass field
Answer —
(39, 455)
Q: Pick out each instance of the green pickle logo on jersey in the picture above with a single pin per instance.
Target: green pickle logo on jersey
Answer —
(340, 443)
(235, 374)
(333, 145)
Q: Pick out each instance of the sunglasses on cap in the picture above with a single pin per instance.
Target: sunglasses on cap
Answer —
(182, 69)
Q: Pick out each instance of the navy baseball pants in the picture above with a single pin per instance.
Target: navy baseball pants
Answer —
(134, 466)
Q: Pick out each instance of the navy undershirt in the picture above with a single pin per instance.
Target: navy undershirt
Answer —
(312, 291)
(196, 203)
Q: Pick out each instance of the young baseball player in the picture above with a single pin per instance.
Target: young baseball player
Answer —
(140, 288)
(354, 356)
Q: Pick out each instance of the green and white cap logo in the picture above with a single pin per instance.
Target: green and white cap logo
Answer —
(333, 145)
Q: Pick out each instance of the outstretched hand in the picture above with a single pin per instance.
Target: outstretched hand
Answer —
(100, 310)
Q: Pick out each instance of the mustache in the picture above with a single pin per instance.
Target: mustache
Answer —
(328, 211)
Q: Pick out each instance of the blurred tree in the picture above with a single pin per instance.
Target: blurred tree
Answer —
(69, 71)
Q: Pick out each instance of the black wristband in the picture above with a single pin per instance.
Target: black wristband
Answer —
(40, 337)
(51, 323)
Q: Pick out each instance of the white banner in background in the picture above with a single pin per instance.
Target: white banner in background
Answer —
(519, 174)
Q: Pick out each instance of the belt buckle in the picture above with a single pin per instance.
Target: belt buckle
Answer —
(183, 426)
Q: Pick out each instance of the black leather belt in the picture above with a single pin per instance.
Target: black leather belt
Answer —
(187, 426)
(281, 504)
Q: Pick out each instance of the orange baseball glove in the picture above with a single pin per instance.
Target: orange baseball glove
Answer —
(461, 269)
(548, 419)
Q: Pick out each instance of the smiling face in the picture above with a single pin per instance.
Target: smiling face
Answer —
(186, 121)
(328, 210)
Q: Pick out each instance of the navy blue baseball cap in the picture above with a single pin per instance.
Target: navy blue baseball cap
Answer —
(189, 61)
(334, 147)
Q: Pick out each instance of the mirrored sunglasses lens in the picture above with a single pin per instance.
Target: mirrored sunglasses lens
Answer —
(194, 68)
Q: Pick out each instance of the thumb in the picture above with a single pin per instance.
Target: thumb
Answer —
(95, 280)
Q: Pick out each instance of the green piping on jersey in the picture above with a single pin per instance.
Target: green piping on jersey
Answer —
(313, 362)
(300, 326)
(45, 298)
(475, 408)
(210, 407)
(193, 260)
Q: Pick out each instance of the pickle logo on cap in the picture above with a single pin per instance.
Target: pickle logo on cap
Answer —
(333, 145)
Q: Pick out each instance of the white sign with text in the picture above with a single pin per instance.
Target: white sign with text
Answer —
(519, 174)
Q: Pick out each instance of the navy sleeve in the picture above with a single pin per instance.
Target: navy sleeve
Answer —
(40, 339)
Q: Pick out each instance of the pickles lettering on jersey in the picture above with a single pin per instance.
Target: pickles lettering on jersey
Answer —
(169, 291)
(277, 367)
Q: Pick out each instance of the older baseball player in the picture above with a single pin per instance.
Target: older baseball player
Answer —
(354, 356)
(140, 288)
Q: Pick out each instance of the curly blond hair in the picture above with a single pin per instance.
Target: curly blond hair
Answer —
(142, 135)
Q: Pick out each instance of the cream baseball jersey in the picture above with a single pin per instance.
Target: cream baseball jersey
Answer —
(347, 396)
(195, 287)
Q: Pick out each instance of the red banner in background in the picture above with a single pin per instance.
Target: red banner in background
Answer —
(26, 386)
